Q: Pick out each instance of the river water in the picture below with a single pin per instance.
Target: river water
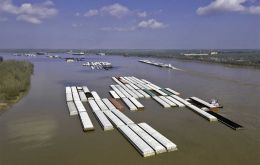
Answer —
(38, 129)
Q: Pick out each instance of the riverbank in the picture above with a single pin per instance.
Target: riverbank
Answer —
(232, 57)
(239, 58)
(14, 81)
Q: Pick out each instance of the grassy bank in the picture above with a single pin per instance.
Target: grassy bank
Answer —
(14, 81)
(243, 58)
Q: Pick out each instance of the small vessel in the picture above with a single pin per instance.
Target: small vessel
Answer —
(195, 54)
(29, 55)
(53, 56)
(17, 54)
(70, 60)
(78, 53)
(215, 103)
(98, 65)
(86, 64)
(41, 53)
(213, 53)
(101, 54)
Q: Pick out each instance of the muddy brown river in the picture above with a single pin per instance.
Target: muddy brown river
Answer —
(38, 130)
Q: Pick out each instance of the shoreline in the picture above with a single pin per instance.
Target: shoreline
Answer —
(228, 57)
(7, 104)
(15, 81)
(228, 64)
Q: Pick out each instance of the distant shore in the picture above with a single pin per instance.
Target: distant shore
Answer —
(220, 61)
(232, 57)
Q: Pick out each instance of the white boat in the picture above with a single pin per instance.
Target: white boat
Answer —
(101, 54)
(78, 53)
(70, 60)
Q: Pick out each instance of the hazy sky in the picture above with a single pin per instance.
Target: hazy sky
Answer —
(133, 24)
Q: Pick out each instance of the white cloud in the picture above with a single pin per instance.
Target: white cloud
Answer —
(254, 9)
(115, 10)
(29, 19)
(151, 24)
(106, 29)
(48, 3)
(119, 29)
(8, 7)
(76, 25)
(229, 6)
(91, 13)
(77, 14)
(148, 24)
(32, 13)
(142, 14)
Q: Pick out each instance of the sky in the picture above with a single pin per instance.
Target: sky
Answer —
(130, 24)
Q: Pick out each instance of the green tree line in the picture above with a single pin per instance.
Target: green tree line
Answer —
(15, 77)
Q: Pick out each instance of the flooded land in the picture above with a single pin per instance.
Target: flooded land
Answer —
(38, 129)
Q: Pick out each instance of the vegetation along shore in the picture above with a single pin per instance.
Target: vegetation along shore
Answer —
(14, 81)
